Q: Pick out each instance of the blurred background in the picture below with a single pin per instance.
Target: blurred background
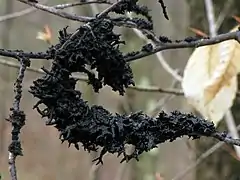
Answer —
(44, 155)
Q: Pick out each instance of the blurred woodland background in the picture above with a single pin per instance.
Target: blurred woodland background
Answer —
(44, 155)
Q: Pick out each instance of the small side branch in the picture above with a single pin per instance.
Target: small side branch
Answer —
(18, 53)
(226, 138)
(67, 5)
(187, 43)
(164, 8)
(57, 12)
(17, 119)
(161, 47)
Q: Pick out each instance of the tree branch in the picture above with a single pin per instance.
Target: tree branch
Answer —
(19, 53)
(188, 44)
(67, 5)
(57, 12)
(85, 19)
(17, 119)
(18, 14)
(226, 138)
(163, 46)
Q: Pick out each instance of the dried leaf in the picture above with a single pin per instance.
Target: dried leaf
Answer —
(210, 82)
(228, 67)
(46, 35)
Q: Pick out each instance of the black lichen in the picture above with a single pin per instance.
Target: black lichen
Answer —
(97, 46)
(95, 127)
(147, 48)
(132, 6)
(165, 39)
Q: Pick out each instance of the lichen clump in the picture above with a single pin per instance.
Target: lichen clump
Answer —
(94, 50)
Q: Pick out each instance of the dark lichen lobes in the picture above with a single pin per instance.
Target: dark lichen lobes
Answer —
(97, 46)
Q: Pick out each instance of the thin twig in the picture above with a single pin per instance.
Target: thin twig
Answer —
(163, 101)
(164, 9)
(67, 5)
(17, 119)
(18, 14)
(109, 9)
(57, 12)
(158, 48)
(183, 173)
(161, 47)
(227, 6)
(185, 44)
(92, 171)
(65, 15)
(85, 19)
(151, 89)
(6, 32)
(129, 24)
(175, 92)
(159, 55)
(227, 139)
(215, 147)
(232, 128)
(16, 53)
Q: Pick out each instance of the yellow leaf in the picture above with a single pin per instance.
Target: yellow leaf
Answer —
(46, 35)
(210, 82)
(228, 66)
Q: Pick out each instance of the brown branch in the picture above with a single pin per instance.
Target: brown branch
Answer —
(85, 19)
(163, 46)
(226, 138)
(164, 9)
(175, 92)
(160, 47)
(57, 12)
(18, 14)
(186, 44)
(110, 8)
(16, 54)
(151, 89)
(67, 5)
(17, 119)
